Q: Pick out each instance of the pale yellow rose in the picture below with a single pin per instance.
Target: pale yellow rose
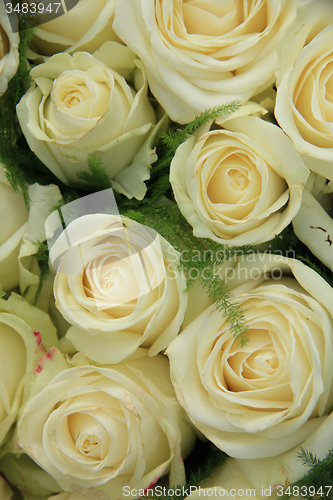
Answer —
(199, 54)
(264, 398)
(97, 429)
(78, 105)
(85, 27)
(9, 42)
(304, 108)
(240, 185)
(24, 330)
(119, 285)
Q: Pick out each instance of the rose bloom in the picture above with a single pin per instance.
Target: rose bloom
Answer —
(97, 429)
(9, 43)
(239, 186)
(83, 28)
(119, 286)
(268, 396)
(304, 108)
(77, 106)
(199, 54)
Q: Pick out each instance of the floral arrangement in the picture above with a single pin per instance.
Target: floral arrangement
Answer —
(166, 266)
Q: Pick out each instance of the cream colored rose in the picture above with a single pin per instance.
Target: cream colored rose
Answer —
(239, 186)
(22, 330)
(267, 397)
(119, 285)
(98, 429)
(304, 108)
(78, 105)
(85, 27)
(9, 43)
(14, 216)
(199, 54)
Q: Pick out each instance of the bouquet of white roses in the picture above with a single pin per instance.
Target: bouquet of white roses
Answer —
(166, 266)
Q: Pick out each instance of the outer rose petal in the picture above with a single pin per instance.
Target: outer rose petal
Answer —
(9, 43)
(230, 418)
(111, 120)
(132, 312)
(133, 400)
(19, 351)
(85, 27)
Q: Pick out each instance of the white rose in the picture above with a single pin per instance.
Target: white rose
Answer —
(78, 105)
(83, 28)
(199, 54)
(98, 429)
(239, 186)
(24, 330)
(118, 284)
(267, 397)
(9, 42)
(304, 97)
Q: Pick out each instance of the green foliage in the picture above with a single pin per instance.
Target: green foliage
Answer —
(175, 137)
(318, 482)
(97, 178)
